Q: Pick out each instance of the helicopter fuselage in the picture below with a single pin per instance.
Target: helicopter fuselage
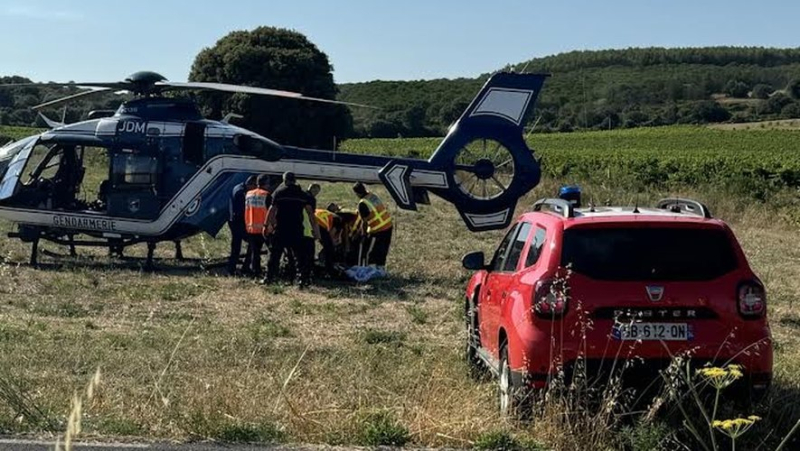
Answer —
(165, 180)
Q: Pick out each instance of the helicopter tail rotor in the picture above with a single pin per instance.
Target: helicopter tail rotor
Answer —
(483, 165)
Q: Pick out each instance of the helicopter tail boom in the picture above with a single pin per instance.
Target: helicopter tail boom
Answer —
(483, 165)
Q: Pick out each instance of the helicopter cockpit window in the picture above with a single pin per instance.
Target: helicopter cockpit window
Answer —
(132, 169)
(13, 159)
(43, 163)
(10, 150)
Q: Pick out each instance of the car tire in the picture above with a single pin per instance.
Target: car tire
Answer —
(475, 366)
(514, 400)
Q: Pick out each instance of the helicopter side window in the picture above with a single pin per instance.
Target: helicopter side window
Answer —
(135, 170)
(134, 183)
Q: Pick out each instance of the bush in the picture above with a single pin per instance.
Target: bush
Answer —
(791, 111)
(737, 89)
(703, 112)
(775, 104)
(762, 91)
(382, 429)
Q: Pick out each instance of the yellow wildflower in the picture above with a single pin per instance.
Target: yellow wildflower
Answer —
(721, 378)
(736, 427)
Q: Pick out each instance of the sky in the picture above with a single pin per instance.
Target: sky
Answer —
(102, 40)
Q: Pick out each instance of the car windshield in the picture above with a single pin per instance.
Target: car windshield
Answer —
(649, 254)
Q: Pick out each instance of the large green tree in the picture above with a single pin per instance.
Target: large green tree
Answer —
(280, 59)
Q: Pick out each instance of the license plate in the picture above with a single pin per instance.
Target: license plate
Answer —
(653, 331)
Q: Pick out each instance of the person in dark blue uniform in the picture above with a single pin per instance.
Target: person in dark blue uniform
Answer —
(236, 223)
(291, 223)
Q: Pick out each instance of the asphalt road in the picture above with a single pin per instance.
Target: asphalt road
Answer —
(44, 445)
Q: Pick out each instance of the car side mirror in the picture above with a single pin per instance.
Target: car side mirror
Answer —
(474, 261)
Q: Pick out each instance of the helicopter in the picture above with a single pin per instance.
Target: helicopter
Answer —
(171, 171)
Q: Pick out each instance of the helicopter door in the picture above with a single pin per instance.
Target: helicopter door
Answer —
(194, 137)
(8, 186)
(134, 182)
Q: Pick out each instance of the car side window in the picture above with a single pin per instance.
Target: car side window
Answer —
(516, 247)
(537, 243)
(500, 255)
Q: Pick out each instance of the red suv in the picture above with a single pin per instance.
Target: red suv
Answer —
(607, 285)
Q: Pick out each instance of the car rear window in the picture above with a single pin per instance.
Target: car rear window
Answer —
(662, 254)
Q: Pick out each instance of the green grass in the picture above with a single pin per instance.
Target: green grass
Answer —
(382, 428)
(16, 133)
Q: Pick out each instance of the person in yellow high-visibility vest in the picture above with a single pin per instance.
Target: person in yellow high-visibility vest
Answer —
(330, 234)
(376, 225)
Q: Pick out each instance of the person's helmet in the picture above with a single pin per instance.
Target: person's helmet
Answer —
(572, 194)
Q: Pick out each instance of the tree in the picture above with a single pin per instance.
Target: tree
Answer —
(737, 89)
(762, 91)
(704, 111)
(793, 88)
(280, 59)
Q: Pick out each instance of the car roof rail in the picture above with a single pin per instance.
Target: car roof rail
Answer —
(559, 206)
(677, 205)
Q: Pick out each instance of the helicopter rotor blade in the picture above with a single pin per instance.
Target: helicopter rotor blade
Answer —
(67, 99)
(109, 85)
(150, 88)
(204, 86)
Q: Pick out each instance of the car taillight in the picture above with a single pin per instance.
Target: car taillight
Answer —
(550, 299)
(751, 300)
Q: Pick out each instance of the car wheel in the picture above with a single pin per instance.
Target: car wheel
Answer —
(513, 398)
(472, 343)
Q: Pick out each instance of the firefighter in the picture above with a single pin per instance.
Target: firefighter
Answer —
(376, 227)
(257, 203)
(330, 231)
(291, 225)
(236, 223)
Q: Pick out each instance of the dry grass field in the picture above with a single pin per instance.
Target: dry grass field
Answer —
(187, 353)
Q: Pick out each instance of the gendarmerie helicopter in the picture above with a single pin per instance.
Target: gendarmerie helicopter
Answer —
(171, 171)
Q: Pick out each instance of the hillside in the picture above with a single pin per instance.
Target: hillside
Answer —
(596, 90)
(605, 89)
